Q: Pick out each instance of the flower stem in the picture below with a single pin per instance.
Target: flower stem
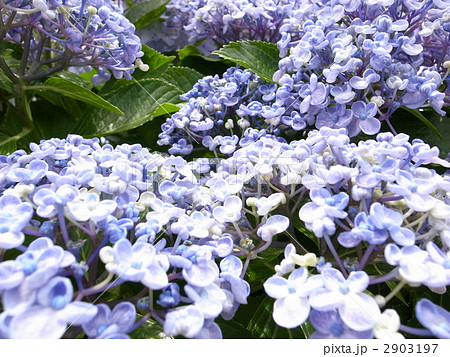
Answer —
(416, 331)
(335, 255)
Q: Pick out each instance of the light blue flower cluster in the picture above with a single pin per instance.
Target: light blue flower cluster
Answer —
(82, 33)
(349, 65)
(73, 208)
(352, 64)
(185, 235)
(208, 116)
(213, 23)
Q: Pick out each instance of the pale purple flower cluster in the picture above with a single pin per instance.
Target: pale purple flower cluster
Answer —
(214, 23)
(206, 117)
(82, 34)
(186, 232)
(72, 207)
(343, 65)
(352, 64)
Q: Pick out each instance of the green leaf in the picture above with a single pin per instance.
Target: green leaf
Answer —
(262, 324)
(10, 125)
(191, 57)
(150, 329)
(309, 241)
(5, 83)
(182, 77)
(51, 120)
(261, 268)
(424, 120)
(139, 101)
(145, 12)
(307, 329)
(405, 123)
(259, 57)
(7, 145)
(165, 108)
(192, 50)
(391, 286)
(233, 329)
(74, 78)
(75, 91)
(157, 62)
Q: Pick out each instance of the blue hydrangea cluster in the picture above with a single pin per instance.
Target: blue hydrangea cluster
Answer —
(220, 112)
(82, 34)
(352, 64)
(346, 65)
(78, 218)
(214, 23)
(72, 208)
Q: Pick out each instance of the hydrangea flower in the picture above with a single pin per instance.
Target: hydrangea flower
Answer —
(82, 34)
(358, 310)
(434, 318)
(328, 324)
(52, 313)
(107, 323)
(138, 262)
(14, 216)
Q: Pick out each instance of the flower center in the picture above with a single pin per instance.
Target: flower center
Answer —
(344, 289)
(102, 328)
(336, 330)
(58, 302)
(136, 265)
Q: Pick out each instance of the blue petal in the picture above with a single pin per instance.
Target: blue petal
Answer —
(434, 318)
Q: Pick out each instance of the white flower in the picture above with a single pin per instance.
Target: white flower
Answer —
(387, 326)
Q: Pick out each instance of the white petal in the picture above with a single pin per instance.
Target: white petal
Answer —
(360, 312)
(291, 311)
